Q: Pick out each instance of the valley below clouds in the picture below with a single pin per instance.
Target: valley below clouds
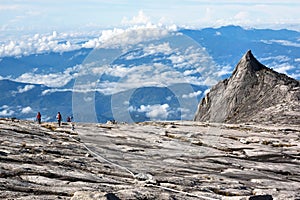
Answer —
(111, 62)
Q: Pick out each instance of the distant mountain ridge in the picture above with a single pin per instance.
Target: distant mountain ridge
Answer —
(253, 93)
(44, 81)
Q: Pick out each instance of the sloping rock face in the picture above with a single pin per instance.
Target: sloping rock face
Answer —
(150, 160)
(253, 93)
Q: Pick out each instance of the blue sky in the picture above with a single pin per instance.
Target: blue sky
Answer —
(32, 16)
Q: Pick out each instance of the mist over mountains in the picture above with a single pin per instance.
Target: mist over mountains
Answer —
(43, 79)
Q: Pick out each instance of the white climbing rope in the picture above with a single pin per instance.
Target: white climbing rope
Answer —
(136, 177)
(104, 159)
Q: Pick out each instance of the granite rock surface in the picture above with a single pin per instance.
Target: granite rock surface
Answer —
(150, 160)
(253, 94)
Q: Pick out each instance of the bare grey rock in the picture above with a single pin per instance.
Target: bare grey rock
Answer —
(261, 197)
(150, 160)
(253, 94)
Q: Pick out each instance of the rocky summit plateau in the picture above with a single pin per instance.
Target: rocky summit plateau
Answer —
(149, 160)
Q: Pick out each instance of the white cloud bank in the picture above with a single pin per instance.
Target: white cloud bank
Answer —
(26, 88)
(285, 68)
(37, 44)
(141, 18)
(26, 110)
(6, 111)
(51, 80)
(165, 63)
(154, 112)
(192, 95)
(282, 42)
(63, 42)
(282, 64)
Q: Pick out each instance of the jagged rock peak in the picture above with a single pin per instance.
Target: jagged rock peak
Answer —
(248, 63)
(248, 56)
(253, 93)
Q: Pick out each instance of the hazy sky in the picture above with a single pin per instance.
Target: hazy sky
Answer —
(19, 16)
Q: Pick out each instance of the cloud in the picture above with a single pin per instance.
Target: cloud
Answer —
(296, 75)
(206, 91)
(26, 88)
(26, 110)
(141, 18)
(282, 42)
(4, 107)
(6, 111)
(177, 59)
(51, 80)
(37, 44)
(173, 65)
(166, 64)
(130, 77)
(130, 36)
(88, 99)
(276, 59)
(190, 13)
(284, 68)
(210, 81)
(154, 112)
(186, 113)
(218, 33)
(282, 64)
(192, 95)
(49, 91)
(9, 7)
(225, 70)
(169, 98)
(151, 49)
(52, 42)
(241, 16)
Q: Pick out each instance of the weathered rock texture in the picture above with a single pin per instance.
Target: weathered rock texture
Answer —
(253, 93)
(151, 160)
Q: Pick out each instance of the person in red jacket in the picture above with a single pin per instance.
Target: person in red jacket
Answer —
(58, 117)
(39, 117)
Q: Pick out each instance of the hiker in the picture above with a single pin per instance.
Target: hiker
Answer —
(72, 126)
(38, 117)
(70, 119)
(58, 117)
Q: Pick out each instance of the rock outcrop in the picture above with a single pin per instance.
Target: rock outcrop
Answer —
(253, 93)
(150, 160)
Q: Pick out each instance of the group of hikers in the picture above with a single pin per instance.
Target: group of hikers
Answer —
(58, 117)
